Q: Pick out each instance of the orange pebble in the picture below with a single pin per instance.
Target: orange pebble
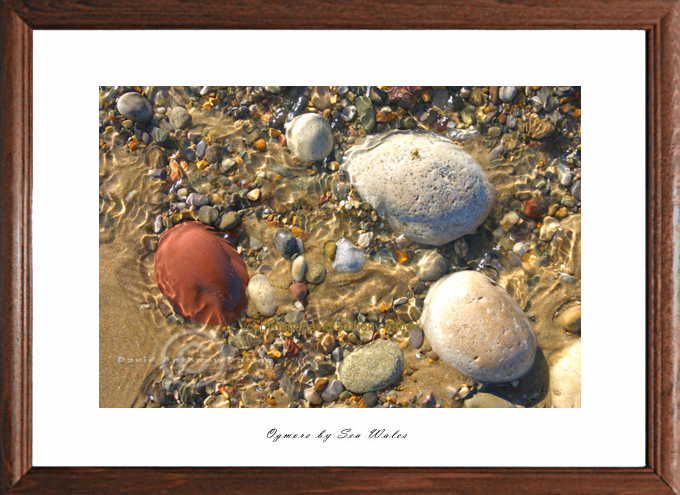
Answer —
(401, 256)
(260, 144)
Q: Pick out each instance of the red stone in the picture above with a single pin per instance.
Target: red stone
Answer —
(299, 290)
(291, 347)
(400, 96)
(530, 208)
(201, 274)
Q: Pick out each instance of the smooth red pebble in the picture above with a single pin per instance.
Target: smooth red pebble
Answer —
(502, 118)
(299, 290)
(282, 139)
(291, 347)
(201, 274)
(530, 208)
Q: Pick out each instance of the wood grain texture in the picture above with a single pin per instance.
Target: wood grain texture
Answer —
(661, 21)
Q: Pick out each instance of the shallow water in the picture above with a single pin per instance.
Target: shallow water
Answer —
(139, 330)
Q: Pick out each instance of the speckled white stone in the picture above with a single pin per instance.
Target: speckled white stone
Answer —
(261, 294)
(309, 137)
(477, 328)
(428, 188)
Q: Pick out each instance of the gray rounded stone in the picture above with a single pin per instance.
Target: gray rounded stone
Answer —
(134, 106)
(316, 274)
(309, 137)
(428, 188)
(261, 294)
(197, 200)
(372, 367)
(348, 257)
(370, 399)
(507, 93)
(180, 118)
(332, 391)
(477, 328)
(208, 215)
(431, 266)
(285, 243)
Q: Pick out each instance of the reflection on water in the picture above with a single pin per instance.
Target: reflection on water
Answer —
(149, 356)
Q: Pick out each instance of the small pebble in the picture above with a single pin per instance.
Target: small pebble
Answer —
(134, 106)
(333, 390)
(299, 290)
(208, 215)
(299, 268)
(196, 200)
(315, 274)
(285, 243)
(370, 399)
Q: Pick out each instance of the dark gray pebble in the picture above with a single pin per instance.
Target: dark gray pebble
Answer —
(370, 399)
(416, 338)
(201, 149)
(285, 243)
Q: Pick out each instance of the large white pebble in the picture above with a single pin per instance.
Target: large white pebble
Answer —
(309, 137)
(261, 294)
(428, 188)
(299, 268)
(475, 327)
(565, 376)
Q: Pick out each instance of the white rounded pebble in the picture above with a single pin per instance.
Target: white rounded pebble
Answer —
(520, 249)
(477, 328)
(565, 376)
(431, 266)
(429, 189)
(348, 257)
(299, 268)
(309, 137)
(261, 294)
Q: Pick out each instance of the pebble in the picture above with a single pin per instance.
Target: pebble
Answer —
(253, 194)
(497, 152)
(576, 189)
(201, 148)
(330, 248)
(416, 338)
(299, 290)
(213, 154)
(563, 173)
(431, 266)
(333, 390)
(366, 113)
(511, 122)
(229, 220)
(316, 273)
(429, 189)
(565, 376)
(309, 137)
(520, 249)
(507, 93)
(196, 200)
(285, 243)
(312, 396)
(349, 113)
(208, 215)
(486, 400)
(461, 134)
(384, 256)
(158, 224)
(365, 240)
(548, 229)
(399, 301)
(539, 128)
(299, 268)
(294, 316)
(370, 399)
(509, 220)
(372, 367)
(348, 257)
(477, 328)
(159, 135)
(279, 168)
(134, 106)
(570, 318)
(228, 163)
(290, 387)
(180, 118)
(160, 173)
(261, 294)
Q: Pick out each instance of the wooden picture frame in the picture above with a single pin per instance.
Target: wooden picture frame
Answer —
(660, 19)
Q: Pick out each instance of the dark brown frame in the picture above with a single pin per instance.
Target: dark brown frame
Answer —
(660, 19)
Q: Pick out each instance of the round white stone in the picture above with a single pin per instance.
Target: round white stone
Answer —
(261, 294)
(475, 327)
(428, 188)
(309, 137)
(565, 376)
